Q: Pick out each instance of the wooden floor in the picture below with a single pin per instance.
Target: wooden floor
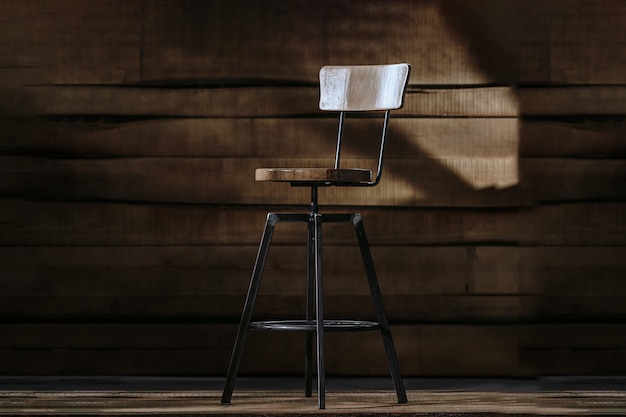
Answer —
(349, 397)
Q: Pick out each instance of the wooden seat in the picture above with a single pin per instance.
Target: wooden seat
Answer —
(372, 88)
(315, 175)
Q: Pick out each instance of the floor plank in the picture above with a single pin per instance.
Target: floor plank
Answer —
(346, 397)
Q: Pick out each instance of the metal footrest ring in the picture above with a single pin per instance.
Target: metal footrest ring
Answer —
(311, 325)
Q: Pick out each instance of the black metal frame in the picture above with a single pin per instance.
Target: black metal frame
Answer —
(314, 320)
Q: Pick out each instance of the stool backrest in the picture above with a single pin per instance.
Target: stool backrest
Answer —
(360, 88)
(363, 87)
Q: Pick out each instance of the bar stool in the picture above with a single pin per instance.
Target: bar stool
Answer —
(343, 89)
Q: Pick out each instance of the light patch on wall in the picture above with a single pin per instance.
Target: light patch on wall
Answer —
(483, 173)
(481, 152)
(444, 161)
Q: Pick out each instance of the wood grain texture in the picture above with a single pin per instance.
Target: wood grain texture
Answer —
(448, 350)
(547, 42)
(505, 310)
(264, 101)
(80, 137)
(151, 271)
(282, 396)
(98, 224)
(452, 182)
(314, 175)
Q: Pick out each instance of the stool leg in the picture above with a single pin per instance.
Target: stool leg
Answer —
(246, 316)
(319, 310)
(310, 308)
(392, 358)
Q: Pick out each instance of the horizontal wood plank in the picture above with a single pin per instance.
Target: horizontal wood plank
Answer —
(424, 181)
(471, 308)
(267, 101)
(98, 224)
(584, 137)
(187, 271)
(424, 350)
(289, 137)
(447, 44)
(293, 137)
(554, 348)
(469, 284)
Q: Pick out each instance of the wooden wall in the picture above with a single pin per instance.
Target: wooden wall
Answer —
(129, 217)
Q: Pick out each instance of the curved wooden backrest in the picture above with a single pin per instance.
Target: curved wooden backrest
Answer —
(363, 87)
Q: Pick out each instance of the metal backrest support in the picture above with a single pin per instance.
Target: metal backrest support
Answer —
(361, 88)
